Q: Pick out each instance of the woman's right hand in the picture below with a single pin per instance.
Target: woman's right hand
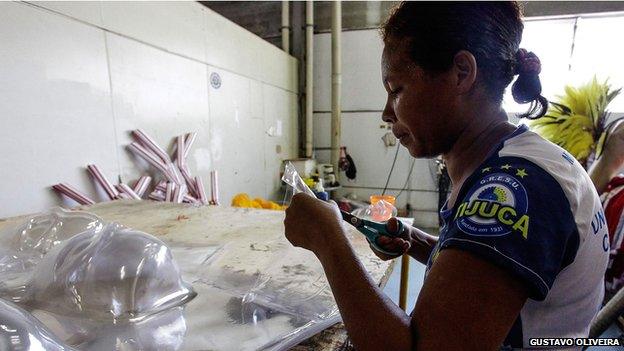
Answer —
(400, 243)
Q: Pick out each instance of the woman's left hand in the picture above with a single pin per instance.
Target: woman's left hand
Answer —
(311, 223)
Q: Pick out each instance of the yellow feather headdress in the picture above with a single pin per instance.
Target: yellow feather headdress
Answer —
(578, 121)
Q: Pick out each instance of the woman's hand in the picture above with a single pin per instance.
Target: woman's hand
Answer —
(311, 223)
(411, 241)
(399, 244)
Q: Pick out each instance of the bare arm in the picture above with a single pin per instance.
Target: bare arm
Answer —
(611, 161)
(469, 298)
(373, 321)
(461, 296)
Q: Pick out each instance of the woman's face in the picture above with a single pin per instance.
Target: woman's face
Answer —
(421, 107)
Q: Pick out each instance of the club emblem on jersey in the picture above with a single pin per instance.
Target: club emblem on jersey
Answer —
(497, 205)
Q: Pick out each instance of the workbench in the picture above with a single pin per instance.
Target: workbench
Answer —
(251, 238)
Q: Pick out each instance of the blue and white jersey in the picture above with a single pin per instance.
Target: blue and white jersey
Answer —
(532, 209)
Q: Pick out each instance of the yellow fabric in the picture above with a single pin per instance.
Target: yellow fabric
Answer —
(243, 200)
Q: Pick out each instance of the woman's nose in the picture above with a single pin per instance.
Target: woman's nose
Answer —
(387, 114)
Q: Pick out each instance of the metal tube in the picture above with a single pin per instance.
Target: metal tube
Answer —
(404, 284)
(285, 27)
(336, 83)
(309, 58)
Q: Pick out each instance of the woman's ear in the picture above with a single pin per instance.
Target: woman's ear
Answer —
(464, 71)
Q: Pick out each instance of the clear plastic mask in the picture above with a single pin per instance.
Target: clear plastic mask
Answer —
(114, 275)
(95, 286)
(20, 331)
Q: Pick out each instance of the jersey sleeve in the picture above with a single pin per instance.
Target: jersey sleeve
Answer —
(516, 215)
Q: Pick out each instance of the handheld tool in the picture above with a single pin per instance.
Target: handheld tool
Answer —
(372, 230)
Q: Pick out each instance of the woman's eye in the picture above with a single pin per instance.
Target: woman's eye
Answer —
(395, 91)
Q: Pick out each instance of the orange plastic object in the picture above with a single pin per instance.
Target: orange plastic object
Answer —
(382, 207)
(388, 198)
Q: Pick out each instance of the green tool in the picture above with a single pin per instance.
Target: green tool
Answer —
(373, 230)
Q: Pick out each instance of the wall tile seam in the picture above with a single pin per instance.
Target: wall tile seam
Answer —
(112, 107)
(107, 30)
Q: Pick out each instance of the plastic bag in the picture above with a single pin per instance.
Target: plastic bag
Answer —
(307, 295)
(303, 293)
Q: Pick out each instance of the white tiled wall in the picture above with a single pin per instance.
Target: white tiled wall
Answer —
(76, 77)
(361, 71)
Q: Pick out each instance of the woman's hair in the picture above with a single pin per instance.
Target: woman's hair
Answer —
(491, 31)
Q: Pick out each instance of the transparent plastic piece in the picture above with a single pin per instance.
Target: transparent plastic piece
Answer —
(23, 247)
(103, 287)
(114, 275)
(295, 183)
(267, 297)
(96, 286)
(308, 295)
(165, 330)
(381, 211)
(20, 331)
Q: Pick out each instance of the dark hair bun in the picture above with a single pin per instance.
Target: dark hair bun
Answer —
(527, 88)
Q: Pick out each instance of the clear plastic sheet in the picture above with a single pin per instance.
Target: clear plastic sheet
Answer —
(115, 275)
(302, 294)
(102, 287)
(20, 331)
(264, 308)
(95, 286)
(24, 246)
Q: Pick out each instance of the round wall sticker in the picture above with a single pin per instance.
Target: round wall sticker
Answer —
(215, 80)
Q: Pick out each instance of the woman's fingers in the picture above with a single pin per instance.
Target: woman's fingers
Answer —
(391, 244)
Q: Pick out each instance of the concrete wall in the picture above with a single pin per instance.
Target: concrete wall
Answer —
(76, 77)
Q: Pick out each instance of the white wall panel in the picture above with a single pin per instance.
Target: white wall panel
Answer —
(192, 30)
(233, 48)
(87, 11)
(54, 104)
(361, 134)
(71, 92)
(165, 95)
(362, 88)
(280, 135)
(177, 26)
(322, 72)
(236, 138)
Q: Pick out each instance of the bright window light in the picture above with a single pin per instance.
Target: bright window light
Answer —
(597, 51)
(551, 41)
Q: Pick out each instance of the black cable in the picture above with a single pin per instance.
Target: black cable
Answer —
(407, 180)
(391, 169)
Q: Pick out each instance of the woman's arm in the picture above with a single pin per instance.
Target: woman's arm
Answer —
(373, 321)
(466, 302)
(610, 162)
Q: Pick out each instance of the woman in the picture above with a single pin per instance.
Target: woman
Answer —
(519, 256)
